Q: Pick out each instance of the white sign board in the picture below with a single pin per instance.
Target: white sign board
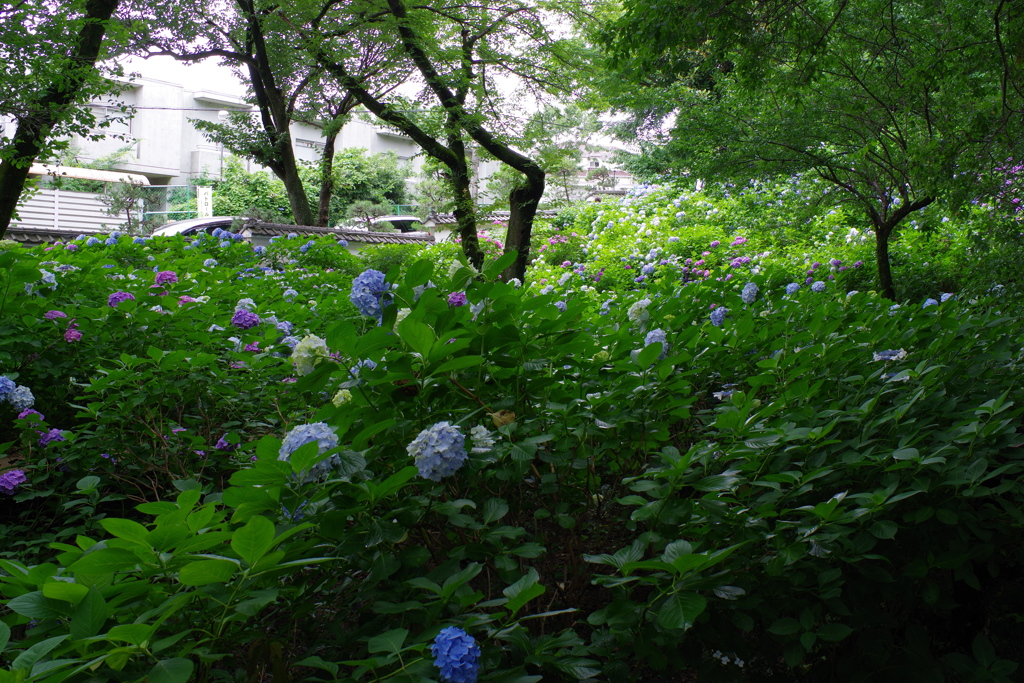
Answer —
(204, 200)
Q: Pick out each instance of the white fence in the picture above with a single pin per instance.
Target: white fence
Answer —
(65, 210)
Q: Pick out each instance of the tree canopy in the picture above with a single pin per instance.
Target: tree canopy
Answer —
(895, 105)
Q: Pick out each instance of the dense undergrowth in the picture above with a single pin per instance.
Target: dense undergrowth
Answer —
(285, 466)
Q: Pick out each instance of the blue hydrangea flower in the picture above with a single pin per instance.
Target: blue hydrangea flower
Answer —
(561, 305)
(367, 290)
(138, 240)
(290, 294)
(326, 439)
(358, 367)
(224, 244)
(7, 385)
(647, 269)
(293, 235)
(818, 286)
(792, 288)
(438, 451)
(80, 237)
(890, 354)
(210, 262)
(245, 304)
(218, 232)
(929, 302)
(718, 316)
(457, 655)
(92, 242)
(655, 336)
(260, 250)
(749, 293)
(110, 241)
(284, 327)
(946, 296)
(116, 235)
(21, 398)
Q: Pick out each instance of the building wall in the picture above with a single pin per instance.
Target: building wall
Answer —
(167, 148)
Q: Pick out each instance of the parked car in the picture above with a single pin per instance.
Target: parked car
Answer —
(194, 226)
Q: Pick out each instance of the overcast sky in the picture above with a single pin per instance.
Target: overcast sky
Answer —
(206, 75)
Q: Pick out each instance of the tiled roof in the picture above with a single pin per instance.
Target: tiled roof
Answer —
(449, 218)
(275, 229)
(33, 236)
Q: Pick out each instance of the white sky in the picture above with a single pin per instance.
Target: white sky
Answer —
(209, 73)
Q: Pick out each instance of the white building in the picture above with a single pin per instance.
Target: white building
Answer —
(169, 150)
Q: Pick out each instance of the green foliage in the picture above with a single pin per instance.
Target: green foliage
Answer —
(774, 497)
(241, 193)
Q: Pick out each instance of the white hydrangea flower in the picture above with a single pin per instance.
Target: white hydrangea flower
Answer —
(308, 352)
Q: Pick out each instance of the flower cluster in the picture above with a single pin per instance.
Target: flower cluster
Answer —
(457, 299)
(818, 286)
(368, 289)
(655, 337)
(21, 398)
(792, 288)
(438, 451)
(244, 320)
(457, 655)
(637, 310)
(10, 480)
(308, 352)
(117, 297)
(50, 436)
(325, 438)
(718, 316)
(166, 277)
(482, 438)
(891, 354)
(749, 293)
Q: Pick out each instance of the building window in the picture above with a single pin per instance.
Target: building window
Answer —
(310, 144)
(120, 122)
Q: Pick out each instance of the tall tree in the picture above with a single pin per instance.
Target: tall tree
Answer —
(457, 52)
(50, 51)
(893, 104)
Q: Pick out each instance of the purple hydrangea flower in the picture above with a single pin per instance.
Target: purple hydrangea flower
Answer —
(818, 286)
(25, 413)
(457, 655)
(715, 244)
(51, 436)
(10, 480)
(166, 277)
(561, 305)
(457, 299)
(53, 315)
(117, 297)
(244, 320)
(438, 451)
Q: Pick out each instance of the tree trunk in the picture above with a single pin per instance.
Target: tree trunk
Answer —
(882, 260)
(465, 216)
(293, 187)
(326, 179)
(523, 203)
(30, 136)
(883, 230)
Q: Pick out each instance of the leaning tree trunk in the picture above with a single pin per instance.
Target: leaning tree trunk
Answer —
(465, 215)
(30, 136)
(326, 179)
(523, 202)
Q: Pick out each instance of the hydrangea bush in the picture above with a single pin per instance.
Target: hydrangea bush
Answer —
(733, 477)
